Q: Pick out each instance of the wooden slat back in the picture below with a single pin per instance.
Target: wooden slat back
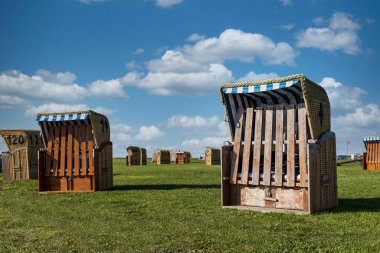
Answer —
(279, 145)
(76, 150)
(62, 166)
(90, 151)
(302, 136)
(257, 146)
(247, 146)
(237, 145)
(57, 136)
(268, 146)
(290, 118)
(83, 150)
(49, 150)
(69, 151)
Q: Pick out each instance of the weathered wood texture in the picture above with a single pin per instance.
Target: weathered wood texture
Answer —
(371, 158)
(72, 163)
(278, 165)
(21, 160)
(212, 156)
(162, 156)
(136, 156)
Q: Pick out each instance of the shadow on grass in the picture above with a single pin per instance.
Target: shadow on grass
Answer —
(359, 205)
(164, 187)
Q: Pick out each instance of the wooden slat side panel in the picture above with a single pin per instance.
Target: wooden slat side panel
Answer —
(49, 151)
(237, 146)
(57, 136)
(268, 146)
(247, 145)
(290, 146)
(257, 146)
(62, 166)
(41, 169)
(69, 151)
(83, 145)
(76, 150)
(279, 145)
(302, 136)
(226, 171)
(90, 151)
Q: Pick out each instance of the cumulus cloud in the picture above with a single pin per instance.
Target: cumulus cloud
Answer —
(149, 133)
(197, 146)
(167, 3)
(286, 2)
(110, 89)
(54, 107)
(340, 34)
(287, 27)
(352, 118)
(185, 121)
(195, 37)
(92, 1)
(199, 68)
(253, 77)
(342, 97)
(58, 87)
(139, 51)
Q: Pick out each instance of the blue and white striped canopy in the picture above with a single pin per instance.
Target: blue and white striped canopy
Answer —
(62, 117)
(246, 95)
(45, 120)
(371, 138)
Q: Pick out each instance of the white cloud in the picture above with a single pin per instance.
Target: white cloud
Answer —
(342, 97)
(132, 65)
(253, 77)
(53, 107)
(195, 37)
(319, 20)
(198, 69)
(167, 3)
(184, 121)
(233, 44)
(149, 133)
(111, 89)
(352, 118)
(44, 85)
(197, 146)
(341, 34)
(139, 51)
(92, 1)
(287, 27)
(194, 83)
(286, 2)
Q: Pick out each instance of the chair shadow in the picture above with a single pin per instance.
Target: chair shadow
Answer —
(164, 187)
(358, 205)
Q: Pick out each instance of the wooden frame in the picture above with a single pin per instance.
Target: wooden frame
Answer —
(277, 173)
(21, 161)
(283, 155)
(77, 156)
(212, 156)
(136, 156)
(162, 156)
(371, 158)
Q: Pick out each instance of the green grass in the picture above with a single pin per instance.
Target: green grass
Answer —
(177, 209)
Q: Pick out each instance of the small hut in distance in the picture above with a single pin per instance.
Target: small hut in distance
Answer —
(371, 158)
(212, 156)
(136, 156)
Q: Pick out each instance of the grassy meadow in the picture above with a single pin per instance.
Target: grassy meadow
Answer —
(171, 208)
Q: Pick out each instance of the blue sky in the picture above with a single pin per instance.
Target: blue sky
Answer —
(154, 66)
